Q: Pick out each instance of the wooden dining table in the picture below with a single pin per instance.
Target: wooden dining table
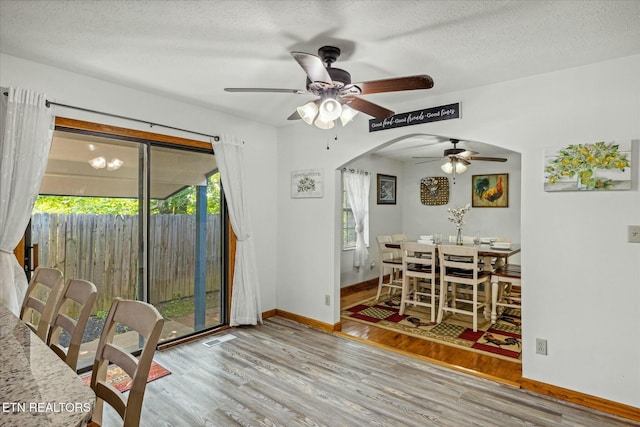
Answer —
(485, 251)
(36, 387)
(488, 253)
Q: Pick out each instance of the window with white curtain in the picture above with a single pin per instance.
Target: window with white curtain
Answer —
(348, 224)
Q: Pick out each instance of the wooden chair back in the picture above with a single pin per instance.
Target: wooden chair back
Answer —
(80, 295)
(40, 300)
(419, 265)
(144, 319)
(385, 254)
(459, 264)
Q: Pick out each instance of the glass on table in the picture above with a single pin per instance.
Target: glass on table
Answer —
(476, 239)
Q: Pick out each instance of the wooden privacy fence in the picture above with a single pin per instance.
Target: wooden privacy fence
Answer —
(104, 250)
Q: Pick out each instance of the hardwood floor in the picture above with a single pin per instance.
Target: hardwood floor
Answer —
(466, 361)
(283, 373)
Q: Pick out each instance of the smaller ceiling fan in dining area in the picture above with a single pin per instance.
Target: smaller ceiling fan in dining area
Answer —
(336, 97)
(457, 159)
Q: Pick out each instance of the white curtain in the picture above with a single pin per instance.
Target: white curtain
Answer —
(26, 129)
(357, 184)
(245, 297)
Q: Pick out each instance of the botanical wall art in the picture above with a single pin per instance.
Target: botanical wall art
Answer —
(386, 189)
(307, 183)
(584, 167)
(490, 191)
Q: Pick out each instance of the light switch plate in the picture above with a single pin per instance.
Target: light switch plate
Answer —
(634, 234)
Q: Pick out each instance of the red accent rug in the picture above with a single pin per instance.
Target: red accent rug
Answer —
(502, 339)
(122, 381)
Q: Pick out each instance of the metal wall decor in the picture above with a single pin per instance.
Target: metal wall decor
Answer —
(434, 190)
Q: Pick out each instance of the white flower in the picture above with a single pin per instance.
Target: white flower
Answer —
(457, 215)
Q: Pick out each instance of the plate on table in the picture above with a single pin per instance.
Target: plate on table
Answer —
(501, 245)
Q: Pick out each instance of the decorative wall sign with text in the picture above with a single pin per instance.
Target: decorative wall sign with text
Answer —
(434, 114)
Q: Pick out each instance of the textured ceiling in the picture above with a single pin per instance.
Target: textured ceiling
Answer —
(191, 50)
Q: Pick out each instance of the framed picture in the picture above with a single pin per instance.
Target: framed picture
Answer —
(307, 183)
(598, 166)
(490, 191)
(386, 189)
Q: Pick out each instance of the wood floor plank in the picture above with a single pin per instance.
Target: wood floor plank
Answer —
(283, 373)
(483, 365)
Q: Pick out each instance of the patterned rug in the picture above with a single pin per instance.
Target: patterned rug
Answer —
(502, 339)
(122, 381)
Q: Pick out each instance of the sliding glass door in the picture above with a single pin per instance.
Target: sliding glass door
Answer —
(185, 240)
(141, 221)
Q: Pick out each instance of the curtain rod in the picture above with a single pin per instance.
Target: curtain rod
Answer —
(49, 103)
(356, 171)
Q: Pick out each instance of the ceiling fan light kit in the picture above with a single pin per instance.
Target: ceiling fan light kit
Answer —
(452, 165)
(308, 112)
(324, 124)
(457, 159)
(330, 109)
(338, 97)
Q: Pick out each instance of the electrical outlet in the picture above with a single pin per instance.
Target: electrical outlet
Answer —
(634, 234)
(541, 346)
(327, 300)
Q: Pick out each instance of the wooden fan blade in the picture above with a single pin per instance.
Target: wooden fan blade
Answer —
(488, 159)
(368, 107)
(398, 84)
(466, 154)
(313, 66)
(259, 89)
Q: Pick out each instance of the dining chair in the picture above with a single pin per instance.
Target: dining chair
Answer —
(398, 237)
(420, 267)
(502, 281)
(460, 272)
(388, 260)
(40, 299)
(77, 296)
(144, 319)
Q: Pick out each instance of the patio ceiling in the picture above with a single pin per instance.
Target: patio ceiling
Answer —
(69, 172)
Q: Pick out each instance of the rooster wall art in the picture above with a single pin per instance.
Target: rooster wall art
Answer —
(490, 190)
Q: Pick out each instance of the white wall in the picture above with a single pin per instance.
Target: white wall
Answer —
(411, 217)
(260, 140)
(419, 219)
(383, 219)
(581, 286)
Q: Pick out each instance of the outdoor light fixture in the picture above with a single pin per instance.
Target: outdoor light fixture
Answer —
(453, 164)
(101, 163)
(114, 164)
(323, 114)
(98, 162)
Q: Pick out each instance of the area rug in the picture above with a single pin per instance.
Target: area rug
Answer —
(122, 381)
(502, 339)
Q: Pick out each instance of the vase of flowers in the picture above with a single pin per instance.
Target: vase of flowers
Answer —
(457, 217)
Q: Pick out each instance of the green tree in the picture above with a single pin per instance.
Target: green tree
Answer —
(183, 202)
(85, 205)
